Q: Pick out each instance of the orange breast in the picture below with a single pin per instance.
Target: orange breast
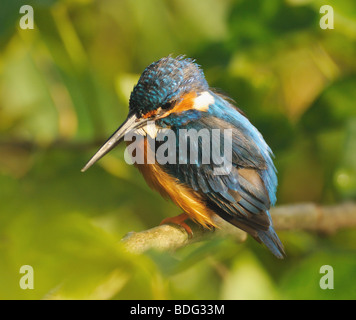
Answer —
(169, 187)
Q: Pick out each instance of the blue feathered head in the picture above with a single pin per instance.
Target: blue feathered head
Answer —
(164, 82)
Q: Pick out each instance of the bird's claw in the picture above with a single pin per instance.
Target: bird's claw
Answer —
(180, 220)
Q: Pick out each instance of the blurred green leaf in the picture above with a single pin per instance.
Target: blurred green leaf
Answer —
(238, 284)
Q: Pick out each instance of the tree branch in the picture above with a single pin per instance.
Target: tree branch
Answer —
(306, 216)
(312, 217)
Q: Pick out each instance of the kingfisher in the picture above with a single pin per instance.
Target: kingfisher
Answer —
(173, 95)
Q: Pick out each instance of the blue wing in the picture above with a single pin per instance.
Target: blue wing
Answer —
(243, 195)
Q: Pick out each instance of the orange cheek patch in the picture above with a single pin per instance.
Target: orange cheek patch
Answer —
(185, 104)
(149, 114)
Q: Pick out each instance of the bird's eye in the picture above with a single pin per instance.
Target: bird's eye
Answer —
(166, 106)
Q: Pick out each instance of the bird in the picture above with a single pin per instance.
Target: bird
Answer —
(173, 95)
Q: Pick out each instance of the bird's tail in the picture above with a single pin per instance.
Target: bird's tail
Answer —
(272, 242)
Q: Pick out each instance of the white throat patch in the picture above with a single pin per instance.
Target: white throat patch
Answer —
(150, 129)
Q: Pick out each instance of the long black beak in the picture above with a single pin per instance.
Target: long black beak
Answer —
(130, 124)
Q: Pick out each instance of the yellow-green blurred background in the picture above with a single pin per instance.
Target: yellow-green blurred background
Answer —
(64, 88)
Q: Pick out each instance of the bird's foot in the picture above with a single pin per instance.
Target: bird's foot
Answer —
(180, 220)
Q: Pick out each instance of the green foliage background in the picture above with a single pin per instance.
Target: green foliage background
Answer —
(64, 88)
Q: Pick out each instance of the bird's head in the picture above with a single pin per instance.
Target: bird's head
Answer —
(167, 87)
(163, 84)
